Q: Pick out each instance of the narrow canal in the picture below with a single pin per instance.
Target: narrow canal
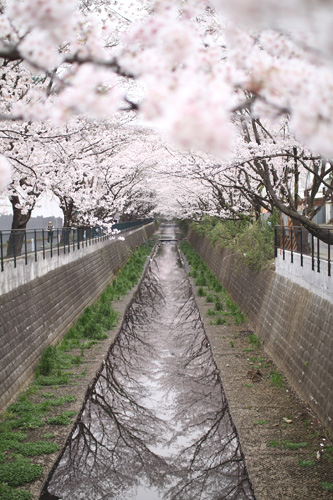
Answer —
(156, 424)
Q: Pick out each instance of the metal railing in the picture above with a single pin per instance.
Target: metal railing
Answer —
(297, 241)
(47, 243)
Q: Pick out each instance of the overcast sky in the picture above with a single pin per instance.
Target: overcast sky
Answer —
(47, 205)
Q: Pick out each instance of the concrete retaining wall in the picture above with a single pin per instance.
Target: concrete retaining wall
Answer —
(319, 283)
(295, 324)
(12, 277)
(39, 313)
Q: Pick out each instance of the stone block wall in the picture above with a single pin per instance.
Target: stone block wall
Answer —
(40, 312)
(295, 324)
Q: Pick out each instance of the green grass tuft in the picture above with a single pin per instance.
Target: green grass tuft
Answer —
(260, 422)
(52, 380)
(48, 435)
(327, 486)
(63, 400)
(48, 395)
(9, 493)
(9, 439)
(274, 444)
(63, 419)
(276, 379)
(204, 277)
(254, 340)
(293, 446)
(19, 472)
(36, 448)
(306, 463)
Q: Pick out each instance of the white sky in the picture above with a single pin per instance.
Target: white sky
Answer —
(47, 205)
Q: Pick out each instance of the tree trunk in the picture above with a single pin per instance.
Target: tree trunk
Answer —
(301, 236)
(67, 207)
(19, 224)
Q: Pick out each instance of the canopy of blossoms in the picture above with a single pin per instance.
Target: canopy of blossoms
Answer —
(200, 72)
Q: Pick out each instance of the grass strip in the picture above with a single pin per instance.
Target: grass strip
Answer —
(225, 308)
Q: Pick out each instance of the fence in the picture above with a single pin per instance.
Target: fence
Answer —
(41, 243)
(297, 242)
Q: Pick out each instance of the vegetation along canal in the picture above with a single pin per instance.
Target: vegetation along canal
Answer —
(156, 424)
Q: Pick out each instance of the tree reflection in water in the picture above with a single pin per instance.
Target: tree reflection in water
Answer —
(156, 423)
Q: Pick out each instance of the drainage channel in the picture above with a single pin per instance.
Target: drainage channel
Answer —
(156, 424)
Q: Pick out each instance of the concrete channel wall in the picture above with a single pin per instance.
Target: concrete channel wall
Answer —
(38, 313)
(295, 324)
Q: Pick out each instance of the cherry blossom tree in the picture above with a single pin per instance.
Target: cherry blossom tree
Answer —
(28, 162)
(82, 164)
(206, 73)
(107, 177)
(175, 43)
(268, 170)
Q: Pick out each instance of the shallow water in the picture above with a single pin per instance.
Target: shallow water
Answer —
(156, 424)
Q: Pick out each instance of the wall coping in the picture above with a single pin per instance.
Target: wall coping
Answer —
(11, 277)
(316, 282)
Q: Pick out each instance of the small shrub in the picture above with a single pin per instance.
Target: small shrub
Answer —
(201, 292)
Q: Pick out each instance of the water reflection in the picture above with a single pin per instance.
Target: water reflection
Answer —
(156, 424)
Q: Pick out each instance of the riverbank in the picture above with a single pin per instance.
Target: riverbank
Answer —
(44, 413)
(288, 454)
